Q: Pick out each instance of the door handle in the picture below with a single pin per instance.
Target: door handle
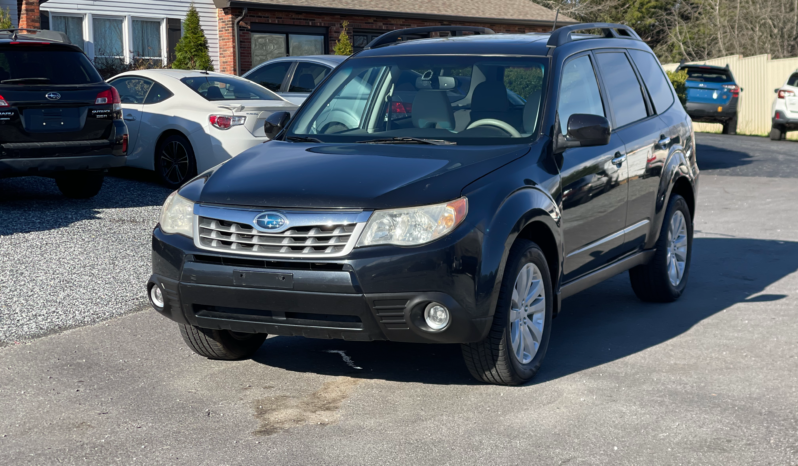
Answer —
(130, 117)
(619, 158)
(664, 141)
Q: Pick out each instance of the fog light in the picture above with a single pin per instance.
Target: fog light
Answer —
(156, 295)
(437, 316)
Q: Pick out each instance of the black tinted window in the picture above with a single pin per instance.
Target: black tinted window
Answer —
(132, 90)
(708, 75)
(793, 81)
(270, 76)
(579, 92)
(33, 65)
(625, 94)
(658, 86)
(157, 94)
(307, 76)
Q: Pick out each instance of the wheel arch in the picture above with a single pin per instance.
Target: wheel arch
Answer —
(164, 135)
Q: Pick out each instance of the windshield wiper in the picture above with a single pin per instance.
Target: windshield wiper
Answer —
(22, 80)
(408, 140)
(302, 139)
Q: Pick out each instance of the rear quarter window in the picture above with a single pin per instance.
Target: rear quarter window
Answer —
(20, 65)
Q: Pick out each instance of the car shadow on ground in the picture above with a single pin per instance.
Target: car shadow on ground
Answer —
(600, 325)
(35, 204)
(711, 157)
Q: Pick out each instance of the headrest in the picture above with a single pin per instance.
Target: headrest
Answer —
(490, 96)
(305, 82)
(432, 109)
(214, 93)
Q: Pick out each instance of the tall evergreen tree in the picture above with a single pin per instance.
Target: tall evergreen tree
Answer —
(5, 18)
(343, 46)
(191, 52)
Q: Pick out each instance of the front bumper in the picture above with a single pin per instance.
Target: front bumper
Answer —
(367, 296)
(708, 112)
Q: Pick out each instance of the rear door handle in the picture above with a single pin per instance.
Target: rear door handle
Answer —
(130, 117)
(619, 158)
(664, 141)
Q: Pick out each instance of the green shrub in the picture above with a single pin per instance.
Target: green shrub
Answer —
(343, 46)
(678, 79)
(5, 19)
(191, 52)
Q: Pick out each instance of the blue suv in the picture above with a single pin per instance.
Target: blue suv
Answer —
(712, 95)
(440, 190)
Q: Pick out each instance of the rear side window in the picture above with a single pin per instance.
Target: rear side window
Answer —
(157, 94)
(625, 93)
(708, 75)
(653, 76)
(271, 76)
(21, 65)
(307, 76)
(217, 88)
(579, 92)
(793, 81)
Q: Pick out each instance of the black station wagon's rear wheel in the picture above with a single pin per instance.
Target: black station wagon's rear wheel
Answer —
(513, 350)
(221, 344)
(665, 277)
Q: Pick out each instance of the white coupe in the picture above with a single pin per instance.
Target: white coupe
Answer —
(184, 122)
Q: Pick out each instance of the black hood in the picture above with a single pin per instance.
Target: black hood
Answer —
(368, 176)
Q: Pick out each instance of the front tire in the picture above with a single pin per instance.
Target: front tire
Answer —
(512, 352)
(664, 279)
(221, 344)
(776, 133)
(174, 161)
(80, 184)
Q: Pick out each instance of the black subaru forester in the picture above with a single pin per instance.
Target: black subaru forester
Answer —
(440, 190)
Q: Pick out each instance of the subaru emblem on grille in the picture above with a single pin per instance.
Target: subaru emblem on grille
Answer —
(270, 221)
(53, 95)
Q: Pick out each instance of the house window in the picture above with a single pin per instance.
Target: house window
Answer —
(147, 40)
(360, 38)
(109, 39)
(274, 41)
(72, 26)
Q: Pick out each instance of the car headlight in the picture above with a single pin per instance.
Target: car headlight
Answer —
(414, 225)
(177, 215)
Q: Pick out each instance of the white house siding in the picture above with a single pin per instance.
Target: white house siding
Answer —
(11, 6)
(145, 9)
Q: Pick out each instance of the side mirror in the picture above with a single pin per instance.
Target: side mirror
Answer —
(584, 130)
(275, 123)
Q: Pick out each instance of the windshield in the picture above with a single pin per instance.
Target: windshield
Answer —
(216, 88)
(708, 75)
(37, 66)
(443, 99)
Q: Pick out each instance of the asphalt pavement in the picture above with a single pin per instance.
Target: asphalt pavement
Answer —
(710, 379)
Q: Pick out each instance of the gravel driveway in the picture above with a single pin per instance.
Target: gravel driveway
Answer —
(68, 263)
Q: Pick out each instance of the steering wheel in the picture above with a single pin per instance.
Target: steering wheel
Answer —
(497, 123)
(334, 127)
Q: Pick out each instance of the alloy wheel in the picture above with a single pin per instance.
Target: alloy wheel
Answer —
(677, 248)
(527, 313)
(174, 162)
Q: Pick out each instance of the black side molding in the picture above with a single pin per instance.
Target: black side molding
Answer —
(583, 283)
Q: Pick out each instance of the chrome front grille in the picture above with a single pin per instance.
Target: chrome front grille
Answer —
(307, 234)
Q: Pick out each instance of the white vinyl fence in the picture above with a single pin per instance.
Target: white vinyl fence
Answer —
(758, 76)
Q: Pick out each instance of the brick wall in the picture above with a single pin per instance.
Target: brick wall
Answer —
(29, 15)
(331, 22)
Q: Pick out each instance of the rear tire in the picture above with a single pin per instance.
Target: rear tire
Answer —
(777, 133)
(730, 127)
(221, 344)
(80, 184)
(653, 282)
(496, 359)
(174, 161)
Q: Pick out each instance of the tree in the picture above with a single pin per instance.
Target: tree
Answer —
(5, 19)
(191, 52)
(343, 46)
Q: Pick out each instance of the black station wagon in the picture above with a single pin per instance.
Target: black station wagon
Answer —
(449, 189)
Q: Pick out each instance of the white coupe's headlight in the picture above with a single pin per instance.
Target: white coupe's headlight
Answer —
(414, 225)
(177, 215)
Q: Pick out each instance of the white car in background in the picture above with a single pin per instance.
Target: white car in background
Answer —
(784, 113)
(184, 122)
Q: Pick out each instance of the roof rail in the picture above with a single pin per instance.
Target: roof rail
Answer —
(40, 34)
(402, 35)
(612, 31)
